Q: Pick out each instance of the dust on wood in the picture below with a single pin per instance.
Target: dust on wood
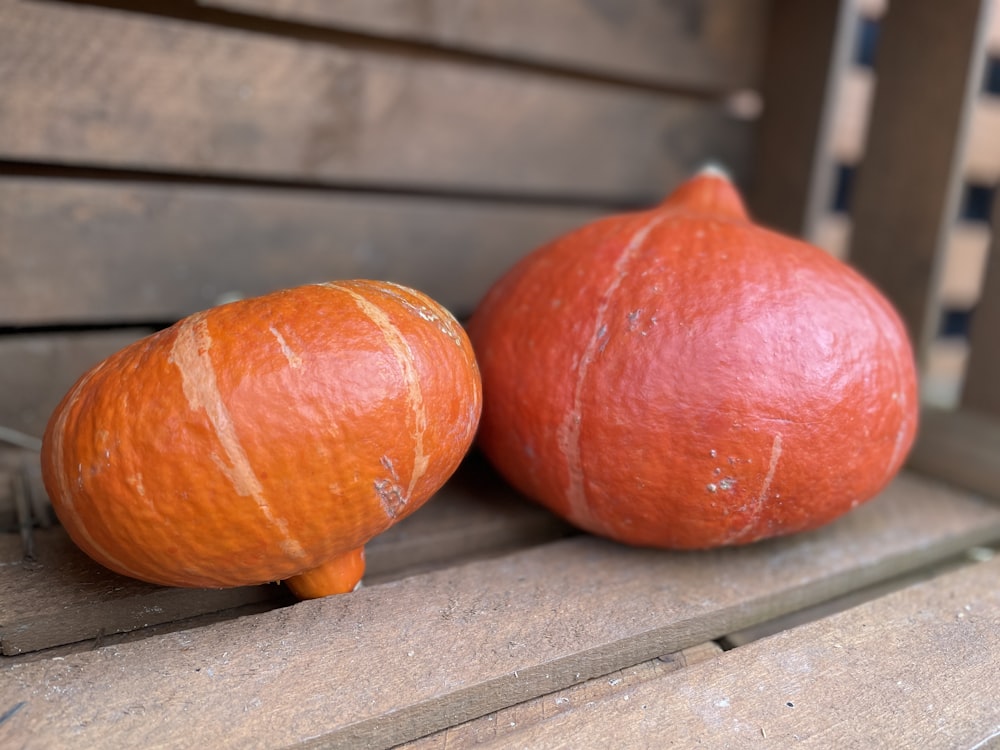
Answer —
(916, 668)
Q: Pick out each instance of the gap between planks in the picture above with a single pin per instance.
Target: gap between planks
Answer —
(916, 668)
(448, 646)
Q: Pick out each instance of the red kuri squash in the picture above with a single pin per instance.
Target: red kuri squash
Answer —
(265, 439)
(684, 378)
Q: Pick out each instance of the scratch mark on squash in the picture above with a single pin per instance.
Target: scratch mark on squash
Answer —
(404, 357)
(190, 354)
(568, 434)
(765, 490)
(294, 360)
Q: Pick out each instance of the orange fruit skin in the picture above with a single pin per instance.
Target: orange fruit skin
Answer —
(683, 378)
(260, 439)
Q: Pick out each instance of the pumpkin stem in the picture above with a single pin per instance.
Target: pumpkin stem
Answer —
(337, 576)
(710, 191)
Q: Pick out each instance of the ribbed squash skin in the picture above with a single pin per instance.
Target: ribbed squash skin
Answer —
(684, 378)
(262, 439)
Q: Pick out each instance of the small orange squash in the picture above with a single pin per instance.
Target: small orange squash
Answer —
(266, 439)
(684, 378)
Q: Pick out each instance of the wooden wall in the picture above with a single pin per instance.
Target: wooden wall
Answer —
(959, 279)
(157, 158)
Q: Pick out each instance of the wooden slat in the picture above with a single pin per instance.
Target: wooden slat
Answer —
(981, 392)
(62, 596)
(394, 662)
(714, 44)
(914, 669)
(38, 369)
(808, 48)
(906, 193)
(100, 86)
(510, 721)
(959, 447)
(79, 251)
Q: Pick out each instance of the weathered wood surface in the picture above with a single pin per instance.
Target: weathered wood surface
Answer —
(913, 669)
(906, 192)
(62, 596)
(515, 718)
(397, 661)
(97, 86)
(82, 251)
(714, 45)
(36, 370)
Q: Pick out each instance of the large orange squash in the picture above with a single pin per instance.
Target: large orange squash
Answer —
(684, 378)
(265, 439)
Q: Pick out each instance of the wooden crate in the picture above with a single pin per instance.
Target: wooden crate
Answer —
(157, 158)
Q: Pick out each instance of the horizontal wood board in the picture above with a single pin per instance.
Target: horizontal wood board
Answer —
(713, 44)
(513, 719)
(462, 642)
(36, 371)
(959, 447)
(916, 668)
(62, 596)
(96, 86)
(88, 251)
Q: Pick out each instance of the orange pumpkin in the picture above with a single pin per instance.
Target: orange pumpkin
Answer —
(265, 439)
(684, 378)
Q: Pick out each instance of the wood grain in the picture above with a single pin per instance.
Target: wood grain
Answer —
(517, 718)
(63, 597)
(394, 662)
(913, 669)
(715, 44)
(103, 87)
(38, 369)
(906, 192)
(79, 251)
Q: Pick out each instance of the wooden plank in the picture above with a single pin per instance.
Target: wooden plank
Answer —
(713, 45)
(116, 89)
(913, 669)
(906, 193)
(853, 599)
(511, 720)
(62, 596)
(82, 251)
(959, 447)
(808, 48)
(38, 369)
(394, 662)
(983, 374)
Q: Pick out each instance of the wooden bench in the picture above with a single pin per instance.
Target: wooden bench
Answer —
(158, 158)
